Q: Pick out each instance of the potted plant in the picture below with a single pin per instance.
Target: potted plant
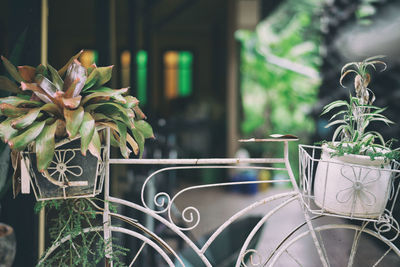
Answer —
(353, 176)
(49, 109)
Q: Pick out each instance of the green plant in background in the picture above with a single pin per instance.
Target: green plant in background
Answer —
(279, 72)
(49, 106)
(81, 248)
(354, 116)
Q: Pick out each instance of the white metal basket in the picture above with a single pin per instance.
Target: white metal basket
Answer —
(333, 187)
(72, 175)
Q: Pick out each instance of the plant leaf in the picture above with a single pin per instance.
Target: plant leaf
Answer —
(8, 85)
(335, 104)
(76, 73)
(122, 139)
(71, 103)
(7, 131)
(27, 73)
(131, 102)
(139, 140)
(91, 80)
(73, 120)
(103, 76)
(95, 145)
(37, 91)
(16, 101)
(104, 92)
(144, 128)
(19, 142)
(11, 110)
(26, 119)
(47, 86)
(12, 70)
(86, 130)
(44, 146)
(55, 77)
(62, 71)
(139, 113)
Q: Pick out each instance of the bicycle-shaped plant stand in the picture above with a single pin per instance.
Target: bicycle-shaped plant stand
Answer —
(319, 239)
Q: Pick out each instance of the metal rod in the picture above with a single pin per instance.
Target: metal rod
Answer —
(197, 161)
(43, 60)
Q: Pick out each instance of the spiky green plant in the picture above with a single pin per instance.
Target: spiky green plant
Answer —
(50, 105)
(356, 114)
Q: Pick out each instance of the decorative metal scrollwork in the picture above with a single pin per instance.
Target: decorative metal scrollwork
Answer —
(60, 166)
(359, 185)
(387, 225)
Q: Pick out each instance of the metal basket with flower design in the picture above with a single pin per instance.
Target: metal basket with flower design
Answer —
(346, 186)
(69, 175)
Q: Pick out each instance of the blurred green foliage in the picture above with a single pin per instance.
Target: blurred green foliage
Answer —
(277, 99)
(279, 72)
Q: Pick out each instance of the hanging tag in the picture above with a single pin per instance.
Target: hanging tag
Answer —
(25, 178)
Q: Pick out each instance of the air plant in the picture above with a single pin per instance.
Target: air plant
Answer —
(356, 114)
(50, 105)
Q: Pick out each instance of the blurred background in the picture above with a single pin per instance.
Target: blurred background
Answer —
(208, 72)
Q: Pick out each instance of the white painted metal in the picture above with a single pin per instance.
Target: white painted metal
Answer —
(160, 208)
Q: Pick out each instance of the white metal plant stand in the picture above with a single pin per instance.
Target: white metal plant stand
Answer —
(315, 229)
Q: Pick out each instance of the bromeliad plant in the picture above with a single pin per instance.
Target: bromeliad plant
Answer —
(356, 115)
(50, 105)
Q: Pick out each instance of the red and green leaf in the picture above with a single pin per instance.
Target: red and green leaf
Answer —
(62, 71)
(7, 131)
(44, 146)
(86, 131)
(144, 128)
(95, 145)
(8, 85)
(76, 73)
(17, 101)
(27, 73)
(73, 120)
(11, 110)
(19, 142)
(12, 70)
(55, 77)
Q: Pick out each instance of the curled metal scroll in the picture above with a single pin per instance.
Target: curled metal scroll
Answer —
(255, 258)
(386, 225)
(190, 215)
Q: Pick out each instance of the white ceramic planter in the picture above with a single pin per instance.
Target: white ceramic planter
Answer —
(352, 185)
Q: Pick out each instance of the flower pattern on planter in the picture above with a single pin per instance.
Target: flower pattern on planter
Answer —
(360, 178)
(60, 166)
